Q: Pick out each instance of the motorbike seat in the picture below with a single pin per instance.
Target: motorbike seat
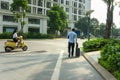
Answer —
(10, 41)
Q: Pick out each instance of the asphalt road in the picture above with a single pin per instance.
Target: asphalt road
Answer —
(44, 60)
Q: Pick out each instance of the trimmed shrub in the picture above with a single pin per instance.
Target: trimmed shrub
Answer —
(117, 74)
(110, 58)
(39, 36)
(110, 53)
(109, 49)
(94, 45)
(97, 44)
(6, 35)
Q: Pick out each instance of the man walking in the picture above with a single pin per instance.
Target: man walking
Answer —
(72, 38)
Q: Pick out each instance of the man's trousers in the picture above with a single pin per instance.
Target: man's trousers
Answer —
(71, 47)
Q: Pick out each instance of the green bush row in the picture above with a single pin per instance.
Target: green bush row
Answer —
(38, 36)
(8, 35)
(110, 59)
(110, 53)
(94, 45)
(97, 44)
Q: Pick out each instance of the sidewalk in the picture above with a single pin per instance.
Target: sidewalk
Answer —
(92, 58)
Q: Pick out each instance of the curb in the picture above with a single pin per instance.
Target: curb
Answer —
(102, 71)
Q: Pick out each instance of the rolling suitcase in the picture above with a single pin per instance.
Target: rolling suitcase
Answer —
(77, 51)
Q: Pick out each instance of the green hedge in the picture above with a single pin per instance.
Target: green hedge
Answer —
(38, 36)
(110, 53)
(97, 44)
(110, 58)
(8, 35)
(94, 45)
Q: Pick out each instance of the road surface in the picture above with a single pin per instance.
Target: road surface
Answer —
(45, 60)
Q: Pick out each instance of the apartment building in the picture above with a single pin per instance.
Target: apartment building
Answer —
(36, 20)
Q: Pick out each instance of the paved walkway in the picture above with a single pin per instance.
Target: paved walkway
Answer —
(92, 58)
(45, 66)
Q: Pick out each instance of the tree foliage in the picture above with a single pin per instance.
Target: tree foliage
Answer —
(57, 19)
(82, 25)
(19, 7)
(101, 29)
(94, 26)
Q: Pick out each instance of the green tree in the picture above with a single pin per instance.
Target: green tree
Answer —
(57, 19)
(94, 26)
(82, 25)
(101, 29)
(115, 32)
(19, 7)
(109, 21)
(87, 14)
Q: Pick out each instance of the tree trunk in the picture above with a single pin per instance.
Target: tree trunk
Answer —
(109, 22)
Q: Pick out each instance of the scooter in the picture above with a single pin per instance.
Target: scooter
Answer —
(11, 45)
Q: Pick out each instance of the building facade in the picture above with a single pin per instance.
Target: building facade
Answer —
(36, 20)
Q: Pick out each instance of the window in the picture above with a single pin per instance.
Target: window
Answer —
(75, 17)
(80, 0)
(34, 2)
(40, 2)
(29, 1)
(48, 4)
(33, 30)
(62, 1)
(33, 21)
(75, 4)
(75, 11)
(4, 5)
(83, 1)
(8, 29)
(80, 6)
(8, 18)
(79, 12)
(67, 2)
(67, 9)
(34, 9)
(46, 12)
(39, 10)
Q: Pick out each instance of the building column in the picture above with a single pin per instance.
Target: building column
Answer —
(19, 25)
(1, 25)
(70, 16)
(43, 26)
(25, 28)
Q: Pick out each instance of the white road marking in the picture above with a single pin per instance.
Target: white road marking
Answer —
(55, 75)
